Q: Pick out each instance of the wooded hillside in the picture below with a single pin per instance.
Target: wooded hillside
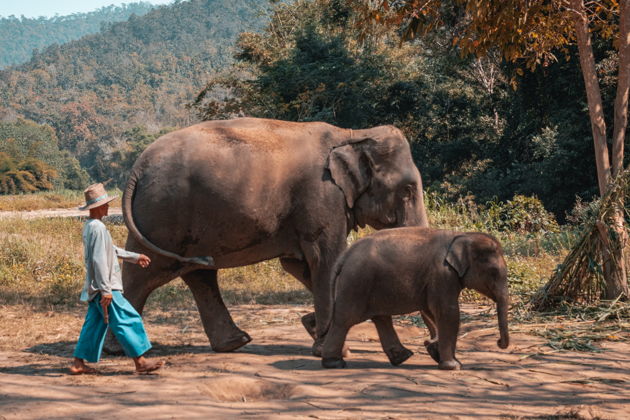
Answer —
(21, 35)
(138, 73)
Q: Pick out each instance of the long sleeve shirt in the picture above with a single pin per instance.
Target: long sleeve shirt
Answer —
(101, 260)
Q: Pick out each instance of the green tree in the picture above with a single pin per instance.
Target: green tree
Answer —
(118, 165)
(533, 31)
(26, 176)
(24, 141)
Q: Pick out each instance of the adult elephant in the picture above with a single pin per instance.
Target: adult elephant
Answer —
(223, 194)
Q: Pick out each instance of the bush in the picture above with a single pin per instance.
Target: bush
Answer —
(31, 160)
(522, 215)
(26, 176)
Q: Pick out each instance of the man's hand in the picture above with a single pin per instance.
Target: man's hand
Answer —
(105, 301)
(143, 261)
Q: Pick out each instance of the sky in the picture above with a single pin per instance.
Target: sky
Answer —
(48, 8)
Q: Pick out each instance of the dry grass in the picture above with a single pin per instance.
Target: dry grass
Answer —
(41, 263)
(41, 270)
(41, 260)
(46, 200)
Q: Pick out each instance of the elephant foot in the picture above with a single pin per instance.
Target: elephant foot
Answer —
(232, 343)
(432, 349)
(461, 366)
(309, 323)
(449, 365)
(317, 348)
(333, 363)
(398, 355)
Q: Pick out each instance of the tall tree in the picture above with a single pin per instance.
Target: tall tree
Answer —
(533, 32)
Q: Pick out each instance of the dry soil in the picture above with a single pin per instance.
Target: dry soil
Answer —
(275, 375)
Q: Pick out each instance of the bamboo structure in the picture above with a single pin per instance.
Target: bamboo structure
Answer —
(580, 279)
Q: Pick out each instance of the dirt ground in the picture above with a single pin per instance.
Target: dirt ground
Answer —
(276, 377)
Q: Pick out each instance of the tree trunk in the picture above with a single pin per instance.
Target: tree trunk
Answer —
(620, 284)
(614, 263)
(623, 87)
(593, 95)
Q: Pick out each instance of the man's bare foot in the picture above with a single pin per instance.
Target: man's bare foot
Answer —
(80, 368)
(145, 366)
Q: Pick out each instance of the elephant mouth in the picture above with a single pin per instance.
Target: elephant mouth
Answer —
(387, 224)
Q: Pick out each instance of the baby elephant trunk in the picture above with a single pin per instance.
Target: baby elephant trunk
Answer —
(502, 314)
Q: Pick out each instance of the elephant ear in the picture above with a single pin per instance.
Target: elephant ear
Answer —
(458, 255)
(351, 169)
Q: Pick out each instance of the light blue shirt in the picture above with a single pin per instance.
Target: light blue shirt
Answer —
(101, 260)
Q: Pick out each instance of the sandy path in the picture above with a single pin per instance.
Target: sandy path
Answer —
(276, 377)
(47, 213)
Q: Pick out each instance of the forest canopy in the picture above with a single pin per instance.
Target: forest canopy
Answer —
(473, 135)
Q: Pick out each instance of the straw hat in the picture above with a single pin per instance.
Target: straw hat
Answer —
(95, 196)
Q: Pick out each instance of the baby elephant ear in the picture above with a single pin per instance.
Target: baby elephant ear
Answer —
(350, 169)
(458, 255)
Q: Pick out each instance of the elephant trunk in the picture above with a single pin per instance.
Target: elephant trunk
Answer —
(423, 219)
(502, 314)
(413, 213)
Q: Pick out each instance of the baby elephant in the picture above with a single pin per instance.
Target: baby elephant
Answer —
(397, 271)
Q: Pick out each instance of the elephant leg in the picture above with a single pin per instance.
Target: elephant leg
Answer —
(299, 269)
(332, 347)
(321, 256)
(395, 351)
(223, 334)
(138, 284)
(448, 327)
(432, 344)
(429, 321)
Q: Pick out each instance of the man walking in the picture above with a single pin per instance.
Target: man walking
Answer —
(103, 290)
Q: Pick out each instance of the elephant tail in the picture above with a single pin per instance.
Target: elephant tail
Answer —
(127, 209)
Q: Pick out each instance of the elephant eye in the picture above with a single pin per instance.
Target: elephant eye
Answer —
(409, 192)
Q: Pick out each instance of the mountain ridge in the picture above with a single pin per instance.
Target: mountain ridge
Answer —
(21, 35)
(138, 73)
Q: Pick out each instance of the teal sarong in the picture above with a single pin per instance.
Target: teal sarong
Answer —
(125, 323)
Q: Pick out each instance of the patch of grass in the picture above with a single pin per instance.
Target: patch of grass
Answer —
(40, 260)
(47, 200)
(577, 327)
(41, 263)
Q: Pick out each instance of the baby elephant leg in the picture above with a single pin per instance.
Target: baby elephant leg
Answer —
(308, 321)
(432, 344)
(448, 327)
(392, 347)
(332, 349)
